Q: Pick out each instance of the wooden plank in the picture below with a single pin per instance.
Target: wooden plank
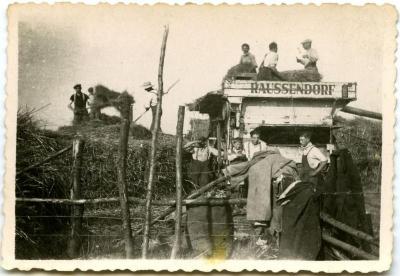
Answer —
(178, 165)
(47, 159)
(349, 230)
(76, 211)
(154, 142)
(349, 248)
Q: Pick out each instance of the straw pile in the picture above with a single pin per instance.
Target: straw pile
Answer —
(239, 69)
(51, 180)
(304, 75)
(198, 128)
(104, 97)
(99, 177)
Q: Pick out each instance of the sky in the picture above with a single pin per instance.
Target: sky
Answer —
(119, 46)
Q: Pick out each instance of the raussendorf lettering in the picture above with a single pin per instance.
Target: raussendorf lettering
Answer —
(285, 88)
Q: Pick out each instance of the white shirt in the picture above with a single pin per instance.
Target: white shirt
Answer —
(203, 154)
(152, 97)
(271, 59)
(90, 101)
(234, 153)
(248, 59)
(314, 155)
(307, 56)
(250, 149)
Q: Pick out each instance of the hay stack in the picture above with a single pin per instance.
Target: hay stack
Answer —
(105, 97)
(304, 75)
(238, 69)
(51, 180)
(99, 178)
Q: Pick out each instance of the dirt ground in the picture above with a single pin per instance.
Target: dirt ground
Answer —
(103, 239)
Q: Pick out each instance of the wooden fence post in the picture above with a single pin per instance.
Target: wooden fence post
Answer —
(178, 164)
(76, 210)
(152, 159)
(126, 102)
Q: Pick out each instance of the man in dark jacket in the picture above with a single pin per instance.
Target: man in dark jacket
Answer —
(79, 100)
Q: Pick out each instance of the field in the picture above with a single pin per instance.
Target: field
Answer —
(43, 229)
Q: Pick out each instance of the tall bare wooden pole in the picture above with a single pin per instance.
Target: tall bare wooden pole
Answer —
(77, 211)
(147, 221)
(178, 165)
(126, 102)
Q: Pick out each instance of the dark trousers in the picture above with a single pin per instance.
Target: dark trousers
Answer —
(199, 172)
(153, 118)
(80, 116)
(266, 73)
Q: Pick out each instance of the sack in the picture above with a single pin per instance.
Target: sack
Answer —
(210, 231)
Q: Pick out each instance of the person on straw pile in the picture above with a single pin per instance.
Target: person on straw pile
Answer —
(79, 100)
(199, 169)
(149, 87)
(254, 145)
(247, 64)
(313, 161)
(90, 103)
(308, 56)
(248, 59)
(268, 69)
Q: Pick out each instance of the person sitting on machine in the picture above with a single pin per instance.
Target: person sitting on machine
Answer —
(247, 64)
(268, 69)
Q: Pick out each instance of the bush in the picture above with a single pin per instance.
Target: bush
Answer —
(363, 138)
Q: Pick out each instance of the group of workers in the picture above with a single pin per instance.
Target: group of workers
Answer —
(83, 105)
(307, 56)
(313, 160)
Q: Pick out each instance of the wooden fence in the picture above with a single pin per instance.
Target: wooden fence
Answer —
(192, 200)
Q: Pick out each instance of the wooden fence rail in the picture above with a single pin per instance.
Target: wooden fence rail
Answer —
(135, 200)
(349, 230)
(347, 247)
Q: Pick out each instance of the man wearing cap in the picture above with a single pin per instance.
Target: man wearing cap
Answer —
(148, 87)
(79, 100)
(308, 56)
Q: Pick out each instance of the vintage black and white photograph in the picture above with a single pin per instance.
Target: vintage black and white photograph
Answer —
(200, 136)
